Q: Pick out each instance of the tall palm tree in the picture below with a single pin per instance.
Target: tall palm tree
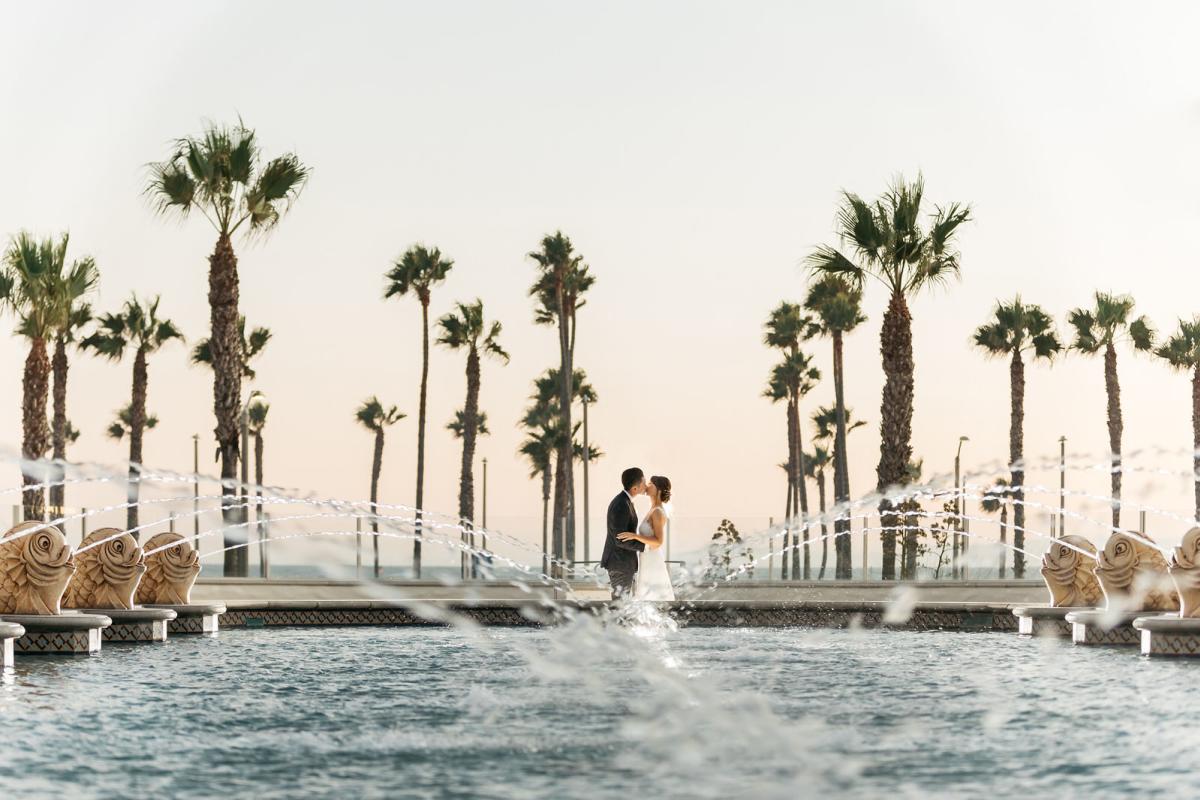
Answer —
(889, 243)
(256, 421)
(465, 329)
(137, 327)
(825, 420)
(1015, 328)
(458, 427)
(815, 463)
(790, 381)
(1182, 352)
(996, 499)
(73, 314)
(838, 305)
(376, 417)
(1100, 328)
(252, 347)
(122, 424)
(417, 272)
(42, 291)
(222, 175)
(562, 280)
(538, 447)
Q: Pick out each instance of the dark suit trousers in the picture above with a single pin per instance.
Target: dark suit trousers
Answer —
(621, 581)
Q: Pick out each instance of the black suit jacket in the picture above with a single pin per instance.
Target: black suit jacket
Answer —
(622, 518)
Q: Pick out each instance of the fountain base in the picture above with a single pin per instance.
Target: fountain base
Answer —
(70, 632)
(9, 633)
(1045, 620)
(1107, 627)
(192, 618)
(137, 624)
(1168, 635)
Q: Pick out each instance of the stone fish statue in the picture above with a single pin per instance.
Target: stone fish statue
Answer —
(170, 572)
(1069, 575)
(109, 573)
(1133, 575)
(34, 569)
(1185, 572)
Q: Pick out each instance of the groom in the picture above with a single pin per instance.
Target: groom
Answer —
(620, 558)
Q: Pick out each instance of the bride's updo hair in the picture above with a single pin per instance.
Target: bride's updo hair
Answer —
(663, 485)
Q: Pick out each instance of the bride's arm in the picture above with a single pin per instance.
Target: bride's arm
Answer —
(653, 542)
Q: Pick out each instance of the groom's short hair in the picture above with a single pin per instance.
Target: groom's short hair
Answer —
(631, 477)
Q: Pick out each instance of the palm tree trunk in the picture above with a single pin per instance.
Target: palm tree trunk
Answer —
(783, 545)
(1004, 536)
(466, 481)
(225, 342)
(824, 530)
(137, 428)
(895, 414)
(801, 488)
(58, 432)
(376, 469)
(1114, 428)
(35, 432)
(563, 548)
(571, 515)
(1196, 436)
(790, 534)
(421, 433)
(1016, 459)
(841, 469)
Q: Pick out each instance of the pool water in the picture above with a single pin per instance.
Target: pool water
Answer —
(591, 711)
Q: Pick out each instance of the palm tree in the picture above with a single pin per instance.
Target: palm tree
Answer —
(41, 290)
(256, 420)
(416, 272)
(1014, 328)
(122, 424)
(539, 447)
(891, 245)
(136, 326)
(466, 329)
(458, 425)
(996, 499)
(375, 417)
(222, 175)
(838, 306)
(561, 282)
(1101, 328)
(791, 380)
(252, 347)
(825, 420)
(73, 314)
(815, 463)
(1182, 352)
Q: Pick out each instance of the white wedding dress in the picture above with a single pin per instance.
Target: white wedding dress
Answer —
(653, 581)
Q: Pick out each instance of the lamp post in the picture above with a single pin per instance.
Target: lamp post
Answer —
(196, 495)
(587, 456)
(1062, 486)
(960, 545)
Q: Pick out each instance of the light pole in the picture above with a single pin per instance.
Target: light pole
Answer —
(196, 496)
(587, 456)
(1062, 486)
(483, 525)
(960, 545)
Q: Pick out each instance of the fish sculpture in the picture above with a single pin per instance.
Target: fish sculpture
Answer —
(171, 568)
(1067, 569)
(36, 564)
(1133, 575)
(1185, 573)
(108, 573)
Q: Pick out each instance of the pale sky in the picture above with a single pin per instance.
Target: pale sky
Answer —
(694, 152)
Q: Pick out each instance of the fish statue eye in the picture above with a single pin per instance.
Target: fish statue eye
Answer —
(43, 542)
(119, 546)
(1063, 552)
(177, 550)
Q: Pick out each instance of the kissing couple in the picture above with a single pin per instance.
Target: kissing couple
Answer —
(633, 553)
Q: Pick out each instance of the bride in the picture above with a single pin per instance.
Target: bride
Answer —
(653, 581)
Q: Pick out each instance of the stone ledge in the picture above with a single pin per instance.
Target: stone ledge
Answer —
(1102, 626)
(69, 632)
(192, 618)
(137, 624)
(9, 633)
(1169, 635)
(1045, 620)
